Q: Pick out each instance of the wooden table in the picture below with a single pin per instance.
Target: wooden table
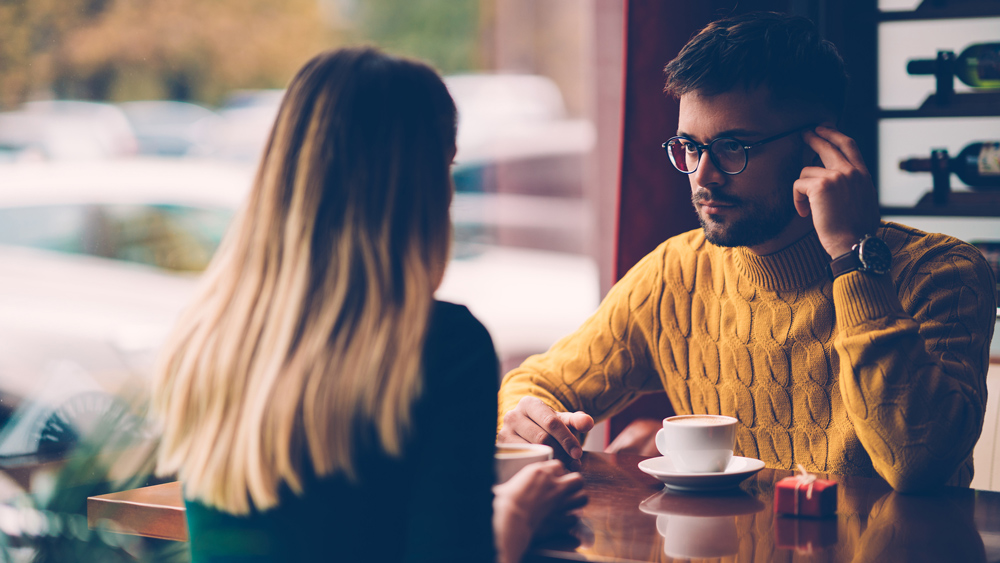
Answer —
(156, 512)
(631, 518)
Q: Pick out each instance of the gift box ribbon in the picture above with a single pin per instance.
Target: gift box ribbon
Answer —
(803, 479)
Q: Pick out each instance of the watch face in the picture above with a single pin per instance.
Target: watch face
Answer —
(875, 256)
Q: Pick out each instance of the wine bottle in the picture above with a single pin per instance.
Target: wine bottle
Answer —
(978, 165)
(978, 65)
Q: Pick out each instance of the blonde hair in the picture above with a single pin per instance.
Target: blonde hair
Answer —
(310, 320)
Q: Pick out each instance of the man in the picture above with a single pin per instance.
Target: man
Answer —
(842, 343)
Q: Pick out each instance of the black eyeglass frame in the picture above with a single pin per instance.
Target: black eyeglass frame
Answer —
(746, 149)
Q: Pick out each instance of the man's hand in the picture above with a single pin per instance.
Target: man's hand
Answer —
(639, 437)
(839, 195)
(535, 422)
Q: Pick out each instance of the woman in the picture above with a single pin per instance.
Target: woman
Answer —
(317, 402)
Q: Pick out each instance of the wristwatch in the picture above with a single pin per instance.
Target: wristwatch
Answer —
(870, 255)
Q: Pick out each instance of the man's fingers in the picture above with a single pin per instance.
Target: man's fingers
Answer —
(846, 145)
(579, 421)
(508, 435)
(551, 424)
(801, 200)
(831, 156)
(535, 422)
(579, 424)
(517, 428)
(836, 150)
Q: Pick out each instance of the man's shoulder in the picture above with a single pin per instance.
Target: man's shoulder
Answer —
(676, 254)
(911, 244)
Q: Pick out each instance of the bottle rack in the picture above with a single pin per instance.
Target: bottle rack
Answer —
(941, 200)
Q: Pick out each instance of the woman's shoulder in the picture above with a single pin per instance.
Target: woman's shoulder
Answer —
(454, 318)
(457, 341)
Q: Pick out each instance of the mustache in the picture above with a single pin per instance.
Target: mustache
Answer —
(703, 194)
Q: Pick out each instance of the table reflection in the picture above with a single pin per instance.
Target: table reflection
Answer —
(632, 517)
(917, 528)
(699, 526)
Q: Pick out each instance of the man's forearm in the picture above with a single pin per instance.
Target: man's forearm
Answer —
(914, 387)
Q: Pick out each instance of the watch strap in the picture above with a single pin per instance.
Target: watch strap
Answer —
(870, 255)
(845, 263)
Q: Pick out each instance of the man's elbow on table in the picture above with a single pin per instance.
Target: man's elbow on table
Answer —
(929, 475)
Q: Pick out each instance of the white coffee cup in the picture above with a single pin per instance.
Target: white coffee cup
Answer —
(698, 443)
(511, 458)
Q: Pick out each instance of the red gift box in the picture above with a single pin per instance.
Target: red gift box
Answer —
(805, 495)
(804, 535)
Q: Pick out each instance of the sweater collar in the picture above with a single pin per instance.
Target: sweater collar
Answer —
(798, 265)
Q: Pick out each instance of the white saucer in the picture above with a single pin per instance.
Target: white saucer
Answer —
(663, 469)
(731, 502)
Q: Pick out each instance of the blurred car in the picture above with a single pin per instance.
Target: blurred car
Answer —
(504, 117)
(526, 159)
(169, 128)
(501, 118)
(245, 120)
(97, 259)
(66, 130)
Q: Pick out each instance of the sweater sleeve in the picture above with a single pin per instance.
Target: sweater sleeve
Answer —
(913, 364)
(604, 364)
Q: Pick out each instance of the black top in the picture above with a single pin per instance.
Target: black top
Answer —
(435, 503)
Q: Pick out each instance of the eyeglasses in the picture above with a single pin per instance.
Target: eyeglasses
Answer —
(728, 155)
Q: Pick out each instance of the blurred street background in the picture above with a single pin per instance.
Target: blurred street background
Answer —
(129, 135)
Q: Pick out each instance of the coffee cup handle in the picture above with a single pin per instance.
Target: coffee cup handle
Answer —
(661, 441)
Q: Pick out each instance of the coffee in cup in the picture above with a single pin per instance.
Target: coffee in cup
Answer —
(510, 458)
(698, 443)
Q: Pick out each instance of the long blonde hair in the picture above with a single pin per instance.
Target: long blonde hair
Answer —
(310, 320)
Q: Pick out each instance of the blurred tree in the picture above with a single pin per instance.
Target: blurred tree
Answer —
(133, 49)
(30, 29)
(445, 33)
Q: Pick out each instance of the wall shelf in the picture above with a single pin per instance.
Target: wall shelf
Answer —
(972, 104)
(960, 204)
(938, 10)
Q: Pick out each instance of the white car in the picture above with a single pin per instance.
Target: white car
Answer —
(66, 130)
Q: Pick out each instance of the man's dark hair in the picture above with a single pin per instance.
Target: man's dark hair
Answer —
(782, 52)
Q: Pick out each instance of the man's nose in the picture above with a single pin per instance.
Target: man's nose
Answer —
(707, 174)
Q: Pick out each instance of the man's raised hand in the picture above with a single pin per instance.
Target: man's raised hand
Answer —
(839, 195)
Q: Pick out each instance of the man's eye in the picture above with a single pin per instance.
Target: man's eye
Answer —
(729, 145)
(689, 146)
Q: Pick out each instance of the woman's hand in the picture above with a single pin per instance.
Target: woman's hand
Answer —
(534, 499)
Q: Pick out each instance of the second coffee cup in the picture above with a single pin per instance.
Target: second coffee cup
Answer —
(698, 443)
(511, 458)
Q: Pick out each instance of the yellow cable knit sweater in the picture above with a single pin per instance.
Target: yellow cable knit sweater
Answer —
(866, 374)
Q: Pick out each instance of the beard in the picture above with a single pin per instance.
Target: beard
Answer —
(759, 221)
